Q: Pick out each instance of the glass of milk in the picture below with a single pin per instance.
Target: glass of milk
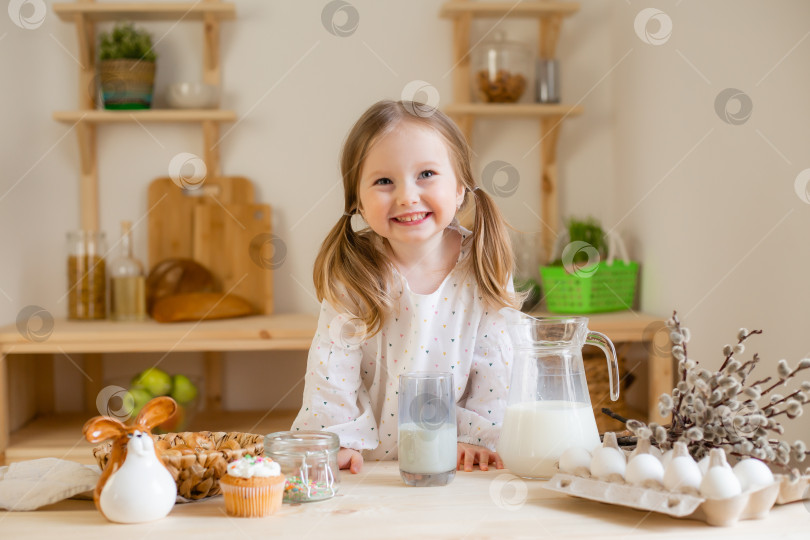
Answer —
(427, 429)
(549, 409)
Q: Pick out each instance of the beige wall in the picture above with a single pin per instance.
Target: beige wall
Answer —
(708, 208)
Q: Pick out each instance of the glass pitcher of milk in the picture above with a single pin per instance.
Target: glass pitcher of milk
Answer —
(549, 409)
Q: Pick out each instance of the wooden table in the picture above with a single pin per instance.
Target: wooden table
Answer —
(376, 504)
(83, 343)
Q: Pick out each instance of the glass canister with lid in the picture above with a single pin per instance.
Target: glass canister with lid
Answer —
(309, 461)
(87, 275)
(501, 70)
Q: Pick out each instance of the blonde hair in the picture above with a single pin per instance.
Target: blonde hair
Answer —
(352, 270)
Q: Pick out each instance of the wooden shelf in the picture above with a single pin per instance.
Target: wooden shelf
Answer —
(144, 11)
(60, 436)
(619, 326)
(522, 110)
(258, 333)
(291, 331)
(98, 116)
(508, 9)
(549, 17)
(85, 15)
(90, 339)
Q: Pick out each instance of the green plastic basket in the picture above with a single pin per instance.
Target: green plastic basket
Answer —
(603, 286)
(595, 289)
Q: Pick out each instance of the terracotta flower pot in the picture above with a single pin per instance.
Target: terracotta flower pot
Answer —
(126, 83)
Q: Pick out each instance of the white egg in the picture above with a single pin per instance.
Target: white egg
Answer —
(682, 474)
(607, 462)
(576, 460)
(644, 469)
(703, 464)
(720, 483)
(752, 473)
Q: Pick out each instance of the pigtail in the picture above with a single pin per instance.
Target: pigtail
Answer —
(351, 273)
(492, 259)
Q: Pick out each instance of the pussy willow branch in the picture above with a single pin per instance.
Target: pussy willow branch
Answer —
(676, 417)
(739, 340)
(751, 364)
(782, 380)
(684, 418)
(763, 381)
(614, 415)
(783, 399)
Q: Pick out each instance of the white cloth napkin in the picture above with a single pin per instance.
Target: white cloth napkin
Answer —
(27, 485)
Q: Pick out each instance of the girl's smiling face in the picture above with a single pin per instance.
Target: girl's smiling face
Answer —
(408, 189)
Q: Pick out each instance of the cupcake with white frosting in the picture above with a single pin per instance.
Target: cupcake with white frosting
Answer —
(252, 487)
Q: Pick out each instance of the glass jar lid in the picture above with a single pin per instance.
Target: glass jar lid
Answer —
(499, 41)
(301, 442)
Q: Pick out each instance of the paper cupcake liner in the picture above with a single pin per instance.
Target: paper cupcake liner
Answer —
(260, 501)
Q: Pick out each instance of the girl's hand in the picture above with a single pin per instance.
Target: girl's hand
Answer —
(470, 454)
(350, 459)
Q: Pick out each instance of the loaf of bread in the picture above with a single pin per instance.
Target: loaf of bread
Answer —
(178, 276)
(200, 306)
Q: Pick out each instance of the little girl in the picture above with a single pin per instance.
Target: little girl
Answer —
(412, 291)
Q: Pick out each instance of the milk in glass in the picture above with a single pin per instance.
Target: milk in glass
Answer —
(427, 451)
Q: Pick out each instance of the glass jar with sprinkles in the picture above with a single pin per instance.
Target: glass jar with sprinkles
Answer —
(309, 461)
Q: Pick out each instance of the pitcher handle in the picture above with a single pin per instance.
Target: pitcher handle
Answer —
(603, 342)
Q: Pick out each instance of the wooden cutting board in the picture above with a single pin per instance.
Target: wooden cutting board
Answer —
(214, 225)
(171, 212)
(234, 241)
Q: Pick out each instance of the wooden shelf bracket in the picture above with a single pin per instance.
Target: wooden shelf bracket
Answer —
(549, 133)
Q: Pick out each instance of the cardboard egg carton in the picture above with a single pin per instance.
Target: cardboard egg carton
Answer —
(751, 504)
(797, 491)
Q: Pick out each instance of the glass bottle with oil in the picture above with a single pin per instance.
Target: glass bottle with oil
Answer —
(128, 285)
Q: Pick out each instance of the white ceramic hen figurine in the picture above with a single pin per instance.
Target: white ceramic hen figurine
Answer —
(135, 486)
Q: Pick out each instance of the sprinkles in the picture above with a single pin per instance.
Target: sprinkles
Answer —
(296, 490)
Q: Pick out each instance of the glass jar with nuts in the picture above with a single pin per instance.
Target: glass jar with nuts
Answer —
(501, 70)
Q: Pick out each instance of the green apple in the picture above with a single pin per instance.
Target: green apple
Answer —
(183, 390)
(155, 381)
(140, 398)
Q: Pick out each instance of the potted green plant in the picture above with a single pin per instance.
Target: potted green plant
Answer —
(588, 231)
(126, 67)
(584, 277)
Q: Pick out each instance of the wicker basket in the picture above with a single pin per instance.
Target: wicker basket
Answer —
(596, 374)
(197, 471)
(127, 84)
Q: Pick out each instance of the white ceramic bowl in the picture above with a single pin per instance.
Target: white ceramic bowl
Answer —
(192, 95)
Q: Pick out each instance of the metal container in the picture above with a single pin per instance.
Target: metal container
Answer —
(548, 80)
